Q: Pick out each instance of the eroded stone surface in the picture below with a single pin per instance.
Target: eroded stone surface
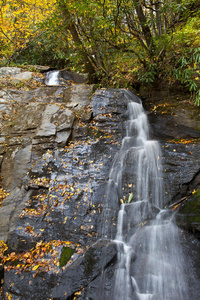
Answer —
(32, 122)
(14, 166)
(47, 128)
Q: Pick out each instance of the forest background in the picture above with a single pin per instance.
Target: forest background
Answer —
(119, 43)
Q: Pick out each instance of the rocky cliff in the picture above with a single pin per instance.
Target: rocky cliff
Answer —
(57, 147)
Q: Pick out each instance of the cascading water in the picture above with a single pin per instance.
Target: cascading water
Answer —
(150, 263)
(52, 78)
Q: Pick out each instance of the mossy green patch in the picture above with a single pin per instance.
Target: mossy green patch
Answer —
(65, 256)
(192, 207)
(189, 214)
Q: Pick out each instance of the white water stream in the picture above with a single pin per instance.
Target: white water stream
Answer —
(150, 261)
(52, 78)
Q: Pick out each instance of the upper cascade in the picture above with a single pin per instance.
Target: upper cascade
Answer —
(140, 158)
(52, 78)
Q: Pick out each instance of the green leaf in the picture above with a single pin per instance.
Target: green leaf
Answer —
(130, 197)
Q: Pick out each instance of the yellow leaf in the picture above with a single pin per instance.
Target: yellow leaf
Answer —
(35, 267)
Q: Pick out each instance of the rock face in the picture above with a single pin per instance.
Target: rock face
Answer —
(72, 182)
(57, 149)
(172, 116)
(81, 275)
(29, 128)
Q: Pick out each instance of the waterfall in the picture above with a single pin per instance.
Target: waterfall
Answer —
(150, 260)
(52, 78)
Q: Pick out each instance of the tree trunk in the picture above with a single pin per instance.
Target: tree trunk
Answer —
(143, 23)
(158, 19)
(89, 68)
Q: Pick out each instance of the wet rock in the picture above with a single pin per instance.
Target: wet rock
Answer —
(62, 193)
(180, 169)
(78, 173)
(39, 287)
(85, 269)
(64, 283)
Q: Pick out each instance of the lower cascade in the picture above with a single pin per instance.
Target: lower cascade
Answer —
(150, 259)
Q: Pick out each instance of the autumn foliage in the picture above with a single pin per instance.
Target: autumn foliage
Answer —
(118, 43)
(20, 22)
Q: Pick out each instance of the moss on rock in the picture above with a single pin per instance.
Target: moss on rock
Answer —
(189, 214)
(65, 256)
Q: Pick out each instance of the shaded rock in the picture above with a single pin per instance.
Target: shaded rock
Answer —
(180, 169)
(73, 76)
(39, 287)
(171, 115)
(85, 269)
(175, 127)
(189, 214)
(63, 284)
(87, 116)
